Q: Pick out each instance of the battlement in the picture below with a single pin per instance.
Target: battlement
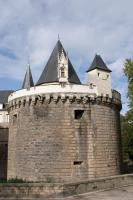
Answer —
(80, 98)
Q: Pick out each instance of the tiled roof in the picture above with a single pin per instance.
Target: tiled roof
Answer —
(4, 94)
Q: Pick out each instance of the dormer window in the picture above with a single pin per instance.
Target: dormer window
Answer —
(62, 72)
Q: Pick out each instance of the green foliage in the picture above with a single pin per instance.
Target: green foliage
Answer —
(127, 135)
(16, 180)
(13, 180)
(127, 120)
(128, 70)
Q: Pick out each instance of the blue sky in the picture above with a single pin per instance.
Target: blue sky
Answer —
(86, 27)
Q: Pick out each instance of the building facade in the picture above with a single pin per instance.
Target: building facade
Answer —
(61, 129)
(4, 129)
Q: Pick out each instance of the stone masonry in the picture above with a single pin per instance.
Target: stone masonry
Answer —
(64, 137)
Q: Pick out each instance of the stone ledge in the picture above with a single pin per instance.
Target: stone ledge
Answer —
(41, 190)
(97, 184)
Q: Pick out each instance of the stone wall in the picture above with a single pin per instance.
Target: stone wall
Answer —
(64, 139)
(61, 191)
(3, 150)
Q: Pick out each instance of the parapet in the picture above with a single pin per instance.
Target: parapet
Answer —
(80, 98)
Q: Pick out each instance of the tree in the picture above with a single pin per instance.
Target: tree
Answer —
(127, 120)
(128, 70)
(127, 136)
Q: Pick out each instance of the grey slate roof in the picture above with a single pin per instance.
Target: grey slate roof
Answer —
(28, 80)
(98, 63)
(4, 94)
(49, 73)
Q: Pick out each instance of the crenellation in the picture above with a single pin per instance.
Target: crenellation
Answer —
(86, 99)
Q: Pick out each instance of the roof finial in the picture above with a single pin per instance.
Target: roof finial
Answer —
(58, 36)
(28, 60)
(28, 79)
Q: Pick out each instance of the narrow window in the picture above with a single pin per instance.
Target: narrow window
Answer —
(77, 162)
(78, 114)
(98, 74)
(91, 86)
(62, 72)
(14, 119)
(107, 76)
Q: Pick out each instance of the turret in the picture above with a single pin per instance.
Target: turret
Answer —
(62, 68)
(100, 75)
(58, 68)
(28, 80)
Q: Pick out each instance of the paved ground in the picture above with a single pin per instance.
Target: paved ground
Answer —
(125, 193)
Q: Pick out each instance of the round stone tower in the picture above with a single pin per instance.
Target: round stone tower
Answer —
(62, 130)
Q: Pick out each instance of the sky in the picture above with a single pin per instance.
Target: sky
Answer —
(30, 28)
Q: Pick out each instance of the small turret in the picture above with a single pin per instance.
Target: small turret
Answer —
(28, 80)
(99, 75)
(62, 67)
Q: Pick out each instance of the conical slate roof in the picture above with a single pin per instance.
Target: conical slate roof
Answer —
(50, 72)
(4, 94)
(98, 63)
(28, 80)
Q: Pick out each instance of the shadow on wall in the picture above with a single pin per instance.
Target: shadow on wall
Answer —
(127, 168)
(3, 152)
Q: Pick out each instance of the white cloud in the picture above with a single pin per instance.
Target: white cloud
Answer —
(117, 67)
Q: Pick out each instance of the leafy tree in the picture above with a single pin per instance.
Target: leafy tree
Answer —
(127, 120)
(128, 70)
(127, 135)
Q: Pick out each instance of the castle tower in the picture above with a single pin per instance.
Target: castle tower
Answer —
(100, 75)
(62, 130)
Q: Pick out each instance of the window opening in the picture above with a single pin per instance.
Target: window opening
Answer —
(14, 118)
(78, 114)
(62, 72)
(77, 162)
(91, 85)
